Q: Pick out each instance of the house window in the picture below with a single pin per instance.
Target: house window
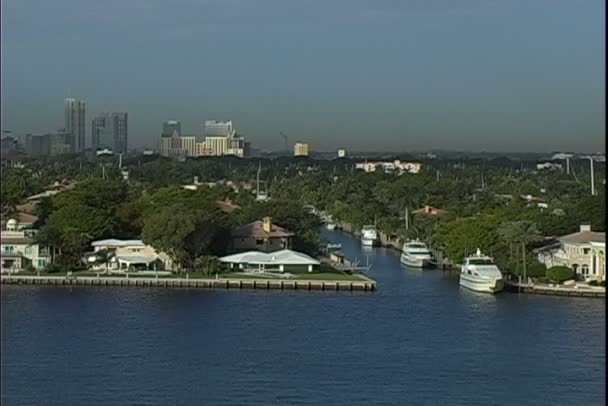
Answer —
(259, 242)
(585, 251)
(28, 250)
(585, 269)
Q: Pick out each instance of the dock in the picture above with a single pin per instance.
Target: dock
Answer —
(554, 290)
(365, 285)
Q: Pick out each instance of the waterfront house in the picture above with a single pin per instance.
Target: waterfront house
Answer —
(22, 221)
(19, 250)
(260, 236)
(279, 261)
(127, 255)
(584, 252)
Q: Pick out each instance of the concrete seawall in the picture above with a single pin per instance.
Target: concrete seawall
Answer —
(554, 291)
(366, 285)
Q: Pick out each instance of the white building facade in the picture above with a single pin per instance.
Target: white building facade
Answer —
(18, 250)
(220, 139)
(584, 252)
(390, 167)
(127, 255)
(301, 149)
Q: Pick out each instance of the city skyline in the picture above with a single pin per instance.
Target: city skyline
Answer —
(367, 76)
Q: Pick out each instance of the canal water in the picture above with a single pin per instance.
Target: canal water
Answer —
(419, 340)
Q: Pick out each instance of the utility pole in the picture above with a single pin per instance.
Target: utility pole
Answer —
(257, 193)
(590, 158)
(567, 165)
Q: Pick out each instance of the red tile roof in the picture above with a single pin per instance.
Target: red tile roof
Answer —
(226, 206)
(29, 208)
(430, 211)
(256, 230)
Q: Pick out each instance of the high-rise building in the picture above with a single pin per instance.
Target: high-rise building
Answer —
(189, 145)
(300, 149)
(169, 127)
(75, 110)
(214, 128)
(109, 130)
(53, 144)
(60, 143)
(220, 139)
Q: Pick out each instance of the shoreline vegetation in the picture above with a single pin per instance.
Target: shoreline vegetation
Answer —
(505, 207)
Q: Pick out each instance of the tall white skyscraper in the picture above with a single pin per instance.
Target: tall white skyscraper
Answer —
(75, 122)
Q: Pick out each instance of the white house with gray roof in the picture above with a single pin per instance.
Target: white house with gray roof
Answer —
(127, 255)
(584, 252)
(278, 261)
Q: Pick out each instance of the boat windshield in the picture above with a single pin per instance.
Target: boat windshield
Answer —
(480, 261)
(416, 246)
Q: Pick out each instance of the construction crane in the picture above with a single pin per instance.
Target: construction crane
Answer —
(286, 141)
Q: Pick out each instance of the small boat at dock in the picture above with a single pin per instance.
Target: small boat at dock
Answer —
(480, 273)
(369, 235)
(416, 254)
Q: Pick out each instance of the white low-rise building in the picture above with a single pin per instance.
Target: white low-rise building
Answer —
(395, 166)
(584, 252)
(549, 166)
(127, 255)
(19, 250)
(279, 261)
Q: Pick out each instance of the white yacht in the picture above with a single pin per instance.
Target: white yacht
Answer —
(416, 254)
(480, 273)
(369, 235)
(330, 226)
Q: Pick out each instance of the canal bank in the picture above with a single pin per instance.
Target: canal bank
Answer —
(510, 286)
(396, 244)
(543, 289)
(411, 341)
(365, 284)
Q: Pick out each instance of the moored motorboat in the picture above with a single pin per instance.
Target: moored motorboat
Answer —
(369, 235)
(416, 254)
(480, 273)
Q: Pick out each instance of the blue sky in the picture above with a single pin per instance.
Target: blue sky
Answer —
(516, 75)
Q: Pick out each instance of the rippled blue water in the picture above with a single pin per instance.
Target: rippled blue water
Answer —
(419, 339)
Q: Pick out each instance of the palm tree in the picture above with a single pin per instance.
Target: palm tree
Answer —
(523, 233)
(507, 232)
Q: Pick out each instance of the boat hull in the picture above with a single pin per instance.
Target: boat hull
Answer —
(416, 262)
(330, 226)
(481, 285)
(368, 242)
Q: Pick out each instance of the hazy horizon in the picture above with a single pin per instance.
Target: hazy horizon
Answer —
(362, 75)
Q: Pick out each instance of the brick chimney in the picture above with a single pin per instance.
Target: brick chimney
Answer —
(267, 224)
(585, 227)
